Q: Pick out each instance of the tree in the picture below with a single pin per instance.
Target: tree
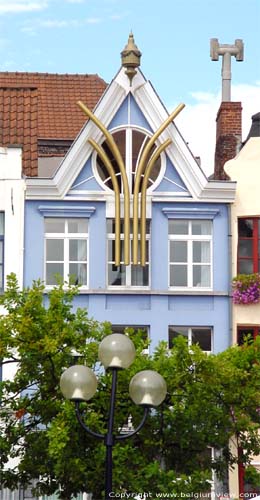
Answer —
(211, 400)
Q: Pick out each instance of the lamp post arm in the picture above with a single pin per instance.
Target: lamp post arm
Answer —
(138, 428)
(85, 427)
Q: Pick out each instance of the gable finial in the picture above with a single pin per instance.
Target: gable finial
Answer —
(131, 57)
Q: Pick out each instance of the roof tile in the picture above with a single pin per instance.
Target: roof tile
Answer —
(35, 106)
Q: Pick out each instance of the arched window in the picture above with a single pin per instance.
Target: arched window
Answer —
(130, 143)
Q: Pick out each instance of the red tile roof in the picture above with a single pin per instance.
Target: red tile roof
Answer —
(42, 106)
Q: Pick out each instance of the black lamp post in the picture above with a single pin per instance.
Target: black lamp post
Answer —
(147, 388)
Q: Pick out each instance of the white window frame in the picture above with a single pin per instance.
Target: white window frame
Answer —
(66, 237)
(129, 129)
(128, 269)
(189, 239)
(190, 330)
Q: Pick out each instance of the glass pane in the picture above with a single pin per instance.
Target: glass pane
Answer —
(176, 331)
(54, 250)
(139, 275)
(121, 329)
(245, 248)
(245, 228)
(1, 251)
(78, 273)
(178, 227)
(78, 249)
(201, 227)
(201, 251)
(137, 141)
(51, 271)
(201, 276)
(2, 223)
(111, 226)
(178, 275)
(116, 275)
(178, 251)
(244, 334)
(78, 225)
(202, 336)
(54, 225)
(245, 266)
(139, 250)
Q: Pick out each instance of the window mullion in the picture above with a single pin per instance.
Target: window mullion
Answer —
(128, 157)
(66, 258)
(190, 263)
(189, 336)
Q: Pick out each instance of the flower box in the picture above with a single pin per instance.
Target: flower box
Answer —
(246, 289)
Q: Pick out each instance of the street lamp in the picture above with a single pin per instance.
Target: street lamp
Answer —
(147, 388)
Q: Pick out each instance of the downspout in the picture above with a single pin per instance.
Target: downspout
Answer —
(230, 275)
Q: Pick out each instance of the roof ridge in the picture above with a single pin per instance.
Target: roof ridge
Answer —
(38, 73)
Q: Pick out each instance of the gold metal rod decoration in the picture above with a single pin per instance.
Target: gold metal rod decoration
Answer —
(139, 172)
(112, 174)
(148, 170)
(114, 149)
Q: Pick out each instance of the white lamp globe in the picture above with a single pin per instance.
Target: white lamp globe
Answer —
(116, 351)
(78, 383)
(147, 388)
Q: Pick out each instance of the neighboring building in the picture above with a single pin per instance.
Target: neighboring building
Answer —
(39, 112)
(39, 119)
(82, 221)
(12, 195)
(245, 229)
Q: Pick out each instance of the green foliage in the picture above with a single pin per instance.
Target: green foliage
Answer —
(252, 476)
(211, 399)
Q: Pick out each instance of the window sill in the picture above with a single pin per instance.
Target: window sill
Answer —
(147, 291)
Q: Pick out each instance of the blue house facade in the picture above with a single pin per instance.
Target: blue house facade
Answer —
(130, 215)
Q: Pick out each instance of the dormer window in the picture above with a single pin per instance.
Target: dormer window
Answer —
(130, 143)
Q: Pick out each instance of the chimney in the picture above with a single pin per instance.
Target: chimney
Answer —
(229, 117)
(228, 137)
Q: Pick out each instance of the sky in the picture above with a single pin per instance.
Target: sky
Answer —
(87, 36)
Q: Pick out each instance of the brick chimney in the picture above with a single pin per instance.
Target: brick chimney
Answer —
(228, 137)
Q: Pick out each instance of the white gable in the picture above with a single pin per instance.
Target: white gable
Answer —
(193, 183)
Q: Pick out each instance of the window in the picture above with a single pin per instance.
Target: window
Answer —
(66, 250)
(126, 275)
(190, 253)
(194, 335)
(246, 488)
(246, 333)
(130, 143)
(248, 254)
(144, 332)
(2, 232)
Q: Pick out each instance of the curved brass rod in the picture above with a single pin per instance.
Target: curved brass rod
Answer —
(148, 170)
(139, 172)
(114, 149)
(111, 172)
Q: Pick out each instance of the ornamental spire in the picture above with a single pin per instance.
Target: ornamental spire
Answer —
(131, 57)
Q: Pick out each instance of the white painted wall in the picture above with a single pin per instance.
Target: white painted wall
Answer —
(245, 170)
(12, 191)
